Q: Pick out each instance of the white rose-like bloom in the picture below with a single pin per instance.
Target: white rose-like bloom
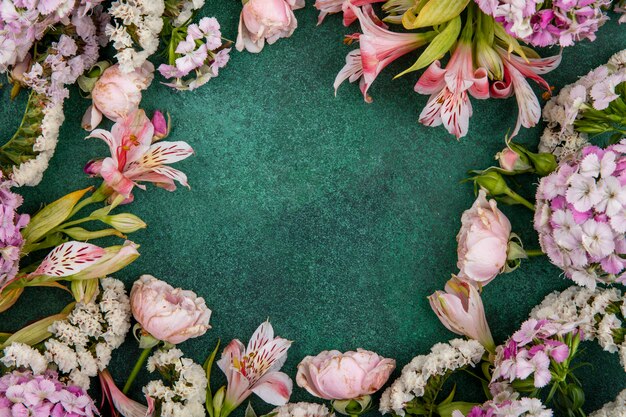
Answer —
(168, 314)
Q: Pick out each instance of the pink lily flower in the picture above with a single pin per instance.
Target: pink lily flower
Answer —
(516, 70)
(255, 369)
(120, 403)
(461, 310)
(327, 7)
(379, 48)
(449, 102)
(136, 158)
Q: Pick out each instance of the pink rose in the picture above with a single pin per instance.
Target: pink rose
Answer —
(117, 94)
(333, 375)
(168, 314)
(263, 20)
(483, 241)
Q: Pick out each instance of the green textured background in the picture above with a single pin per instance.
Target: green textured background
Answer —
(332, 217)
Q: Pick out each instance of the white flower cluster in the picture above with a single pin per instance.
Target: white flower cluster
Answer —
(136, 23)
(186, 393)
(594, 90)
(616, 408)
(30, 173)
(595, 312)
(302, 409)
(81, 345)
(444, 357)
(20, 355)
(186, 11)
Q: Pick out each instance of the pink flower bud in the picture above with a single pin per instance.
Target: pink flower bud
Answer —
(482, 241)
(461, 310)
(168, 314)
(511, 161)
(161, 125)
(333, 375)
(263, 20)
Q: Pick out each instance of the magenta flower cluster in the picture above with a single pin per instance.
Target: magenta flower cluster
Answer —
(11, 240)
(581, 215)
(24, 394)
(529, 352)
(542, 23)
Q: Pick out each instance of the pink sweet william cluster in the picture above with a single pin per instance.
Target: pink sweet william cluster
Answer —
(201, 53)
(11, 240)
(543, 23)
(510, 407)
(24, 394)
(581, 215)
(529, 352)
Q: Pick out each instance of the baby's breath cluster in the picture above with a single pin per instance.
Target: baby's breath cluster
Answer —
(81, 345)
(443, 359)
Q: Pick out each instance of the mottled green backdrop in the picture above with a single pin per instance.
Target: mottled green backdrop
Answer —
(332, 217)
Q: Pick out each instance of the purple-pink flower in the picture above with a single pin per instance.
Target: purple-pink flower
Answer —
(542, 23)
(530, 352)
(11, 240)
(25, 394)
(200, 54)
(581, 216)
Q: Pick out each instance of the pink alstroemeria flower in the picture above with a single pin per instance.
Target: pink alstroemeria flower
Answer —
(379, 48)
(120, 403)
(516, 70)
(255, 368)
(449, 102)
(327, 7)
(461, 310)
(135, 158)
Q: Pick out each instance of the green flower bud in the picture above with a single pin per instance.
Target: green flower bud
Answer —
(124, 222)
(492, 182)
(544, 163)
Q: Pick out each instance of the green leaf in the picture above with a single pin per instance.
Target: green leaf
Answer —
(250, 411)
(208, 365)
(450, 397)
(34, 333)
(435, 12)
(446, 410)
(79, 233)
(438, 46)
(51, 216)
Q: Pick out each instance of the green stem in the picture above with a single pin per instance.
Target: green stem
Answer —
(520, 199)
(534, 252)
(142, 359)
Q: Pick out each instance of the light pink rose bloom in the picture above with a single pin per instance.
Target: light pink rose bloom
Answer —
(333, 375)
(482, 241)
(266, 20)
(461, 310)
(117, 94)
(168, 314)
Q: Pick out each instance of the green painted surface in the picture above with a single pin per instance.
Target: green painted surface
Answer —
(332, 217)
